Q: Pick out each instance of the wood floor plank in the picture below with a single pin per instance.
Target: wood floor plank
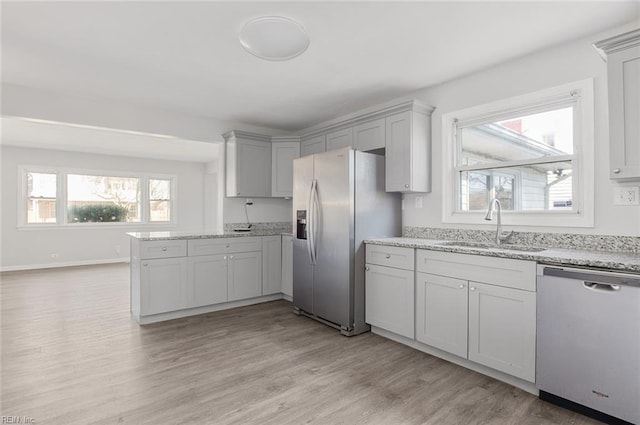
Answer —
(71, 354)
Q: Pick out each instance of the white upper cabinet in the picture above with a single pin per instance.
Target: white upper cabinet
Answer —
(408, 152)
(340, 139)
(248, 158)
(313, 145)
(283, 151)
(623, 73)
(370, 135)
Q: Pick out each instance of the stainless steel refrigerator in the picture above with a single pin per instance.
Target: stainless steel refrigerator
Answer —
(338, 201)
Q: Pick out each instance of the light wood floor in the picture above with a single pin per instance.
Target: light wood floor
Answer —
(72, 355)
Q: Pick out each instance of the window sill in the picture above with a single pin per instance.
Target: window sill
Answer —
(127, 227)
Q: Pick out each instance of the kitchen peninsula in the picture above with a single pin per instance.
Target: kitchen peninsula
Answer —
(177, 274)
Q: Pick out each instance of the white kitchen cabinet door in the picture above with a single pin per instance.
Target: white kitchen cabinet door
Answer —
(370, 135)
(389, 299)
(207, 280)
(271, 265)
(313, 145)
(244, 275)
(502, 329)
(623, 69)
(340, 139)
(283, 154)
(441, 313)
(287, 265)
(163, 285)
(248, 164)
(407, 153)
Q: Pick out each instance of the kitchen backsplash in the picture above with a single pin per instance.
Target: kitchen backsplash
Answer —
(556, 240)
(275, 226)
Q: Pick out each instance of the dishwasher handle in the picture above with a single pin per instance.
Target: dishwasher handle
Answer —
(602, 287)
(595, 277)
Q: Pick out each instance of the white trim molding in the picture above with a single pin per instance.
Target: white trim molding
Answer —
(582, 214)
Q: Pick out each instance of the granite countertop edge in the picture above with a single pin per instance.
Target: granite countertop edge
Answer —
(165, 236)
(613, 260)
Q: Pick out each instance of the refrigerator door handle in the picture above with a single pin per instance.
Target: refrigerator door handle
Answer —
(315, 208)
(309, 222)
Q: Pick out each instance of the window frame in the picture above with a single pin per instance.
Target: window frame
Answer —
(578, 94)
(62, 198)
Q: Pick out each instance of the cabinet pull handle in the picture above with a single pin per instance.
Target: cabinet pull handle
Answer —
(164, 248)
(227, 246)
(616, 171)
(406, 186)
(472, 288)
(366, 268)
(462, 286)
(230, 257)
(224, 258)
(387, 256)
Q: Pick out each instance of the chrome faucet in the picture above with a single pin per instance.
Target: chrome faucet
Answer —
(494, 204)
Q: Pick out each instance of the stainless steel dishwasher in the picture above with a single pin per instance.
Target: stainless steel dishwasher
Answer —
(588, 342)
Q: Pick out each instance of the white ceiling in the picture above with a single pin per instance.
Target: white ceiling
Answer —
(185, 56)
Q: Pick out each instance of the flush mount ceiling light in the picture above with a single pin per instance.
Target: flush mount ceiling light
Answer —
(274, 38)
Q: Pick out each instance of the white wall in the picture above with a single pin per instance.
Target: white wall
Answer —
(262, 210)
(33, 248)
(565, 63)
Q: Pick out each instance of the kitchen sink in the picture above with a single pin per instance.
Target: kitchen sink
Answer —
(508, 247)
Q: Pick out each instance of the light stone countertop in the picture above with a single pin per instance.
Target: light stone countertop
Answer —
(618, 261)
(163, 236)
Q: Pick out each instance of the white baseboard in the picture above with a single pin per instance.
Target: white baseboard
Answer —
(65, 264)
(529, 387)
(145, 320)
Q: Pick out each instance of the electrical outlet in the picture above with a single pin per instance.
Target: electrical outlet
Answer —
(418, 202)
(626, 195)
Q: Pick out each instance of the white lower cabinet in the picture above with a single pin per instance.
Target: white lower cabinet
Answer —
(389, 299)
(177, 275)
(490, 323)
(271, 265)
(287, 265)
(502, 332)
(442, 313)
(207, 280)
(163, 285)
(244, 275)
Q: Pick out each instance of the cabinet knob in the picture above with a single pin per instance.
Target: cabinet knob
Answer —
(462, 286)
(406, 186)
(238, 193)
(616, 171)
(366, 268)
(231, 256)
(227, 245)
(472, 288)
(387, 256)
(145, 264)
(224, 258)
(164, 248)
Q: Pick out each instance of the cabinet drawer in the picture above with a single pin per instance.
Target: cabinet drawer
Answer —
(163, 249)
(390, 256)
(224, 245)
(518, 274)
